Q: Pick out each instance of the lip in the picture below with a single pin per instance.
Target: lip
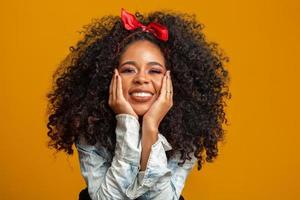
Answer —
(139, 98)
(140, 90)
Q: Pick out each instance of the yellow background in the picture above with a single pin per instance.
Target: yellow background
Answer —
(260, 158)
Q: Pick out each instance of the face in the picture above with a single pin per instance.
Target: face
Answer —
(142, 68)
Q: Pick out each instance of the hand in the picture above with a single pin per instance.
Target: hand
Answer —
(116, 99)
(161, 106)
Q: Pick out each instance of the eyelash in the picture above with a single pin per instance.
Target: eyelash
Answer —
(127, 70)
(156, 71)
(130, 70)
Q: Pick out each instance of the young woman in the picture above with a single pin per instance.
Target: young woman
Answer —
(142, 99)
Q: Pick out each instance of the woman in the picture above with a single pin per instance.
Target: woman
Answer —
(141, 99)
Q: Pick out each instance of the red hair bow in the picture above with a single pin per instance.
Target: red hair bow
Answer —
(131, 23)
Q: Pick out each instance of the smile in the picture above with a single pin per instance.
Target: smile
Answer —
(141, 96)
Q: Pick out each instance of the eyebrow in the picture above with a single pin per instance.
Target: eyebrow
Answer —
(149, 63)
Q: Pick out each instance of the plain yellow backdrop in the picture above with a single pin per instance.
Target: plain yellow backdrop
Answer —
(260, 158)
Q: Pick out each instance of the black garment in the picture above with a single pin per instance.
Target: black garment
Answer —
(84, 195)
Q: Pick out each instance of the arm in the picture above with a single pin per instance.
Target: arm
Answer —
(163, 179)
(149, 137)
(110, 181)
(168, 188)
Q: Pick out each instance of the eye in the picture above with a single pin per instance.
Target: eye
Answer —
(127, 70)
(156, 71)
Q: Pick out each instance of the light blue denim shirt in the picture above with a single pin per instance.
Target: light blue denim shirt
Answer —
(120, 177)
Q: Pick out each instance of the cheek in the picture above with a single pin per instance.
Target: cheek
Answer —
(125, 85)
(157, 83)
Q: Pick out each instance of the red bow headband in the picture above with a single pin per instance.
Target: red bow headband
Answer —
(131, 23)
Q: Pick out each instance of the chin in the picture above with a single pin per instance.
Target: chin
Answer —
(140, 110)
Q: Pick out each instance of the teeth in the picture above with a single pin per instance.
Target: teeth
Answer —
(141, 94)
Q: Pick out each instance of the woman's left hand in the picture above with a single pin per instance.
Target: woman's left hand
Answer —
(153, 117)
(161, 106)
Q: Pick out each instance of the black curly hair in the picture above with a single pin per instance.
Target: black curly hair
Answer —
(78, 100)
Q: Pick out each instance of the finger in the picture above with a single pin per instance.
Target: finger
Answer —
(171, 89)
(114, 90)
(111, 87)
(168, 85)
(171, 84)
(119, 86)
(163, 87)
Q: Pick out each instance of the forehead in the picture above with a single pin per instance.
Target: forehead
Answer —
(142, 51)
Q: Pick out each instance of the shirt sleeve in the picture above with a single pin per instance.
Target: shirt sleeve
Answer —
(111, 180)
(163, 179)
(171, 188)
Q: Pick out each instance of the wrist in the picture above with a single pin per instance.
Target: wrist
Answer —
(149, 133)
(150, 125)
(134, 115)
(149, 129)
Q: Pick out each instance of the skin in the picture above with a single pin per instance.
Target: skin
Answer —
(142, 65)
(141, 72)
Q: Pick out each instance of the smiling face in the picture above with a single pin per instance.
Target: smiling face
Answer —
(142, 68)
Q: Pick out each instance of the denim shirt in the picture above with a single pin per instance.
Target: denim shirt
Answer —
(119, 177)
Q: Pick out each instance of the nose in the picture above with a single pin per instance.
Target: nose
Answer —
(141, 78)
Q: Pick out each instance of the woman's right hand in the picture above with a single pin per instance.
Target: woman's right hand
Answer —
(116, 101)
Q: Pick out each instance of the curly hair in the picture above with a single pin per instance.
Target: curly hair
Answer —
(78, 100)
